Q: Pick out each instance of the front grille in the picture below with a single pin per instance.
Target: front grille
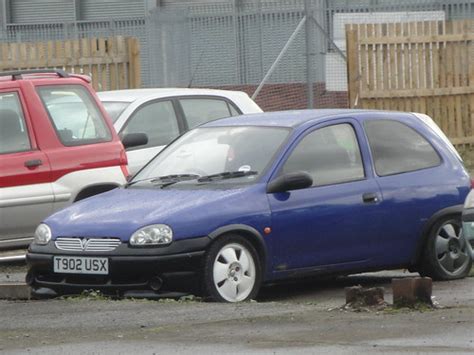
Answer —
(87, 244)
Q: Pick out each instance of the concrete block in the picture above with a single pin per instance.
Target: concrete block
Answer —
(411, 290)
(15, 291)
(360, 296)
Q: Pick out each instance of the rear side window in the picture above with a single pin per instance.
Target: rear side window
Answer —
(75, 115)
(397, 148)
(13, 132)
(201, 110)
(233, 110)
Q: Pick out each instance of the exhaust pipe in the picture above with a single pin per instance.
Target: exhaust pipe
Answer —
(155, 283)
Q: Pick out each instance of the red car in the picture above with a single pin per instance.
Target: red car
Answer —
(56, 147)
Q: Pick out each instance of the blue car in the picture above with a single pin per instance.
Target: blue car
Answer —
(243, 201)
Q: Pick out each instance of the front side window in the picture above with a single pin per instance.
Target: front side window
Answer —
(157, 120)
(74, 114)
(330, 155)
(397, 148)
(201, 110)
(13, 131)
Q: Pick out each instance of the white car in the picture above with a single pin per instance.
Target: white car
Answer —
(164, 114)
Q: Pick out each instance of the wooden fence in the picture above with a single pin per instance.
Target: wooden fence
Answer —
(112, 63)
(423, 67)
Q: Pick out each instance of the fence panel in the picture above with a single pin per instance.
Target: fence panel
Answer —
(424, 66)
(112, 63)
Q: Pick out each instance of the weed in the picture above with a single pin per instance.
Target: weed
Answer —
(88, 295)
(404, 307)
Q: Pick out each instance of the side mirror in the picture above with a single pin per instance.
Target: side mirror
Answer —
(134, 139)
(290, 181)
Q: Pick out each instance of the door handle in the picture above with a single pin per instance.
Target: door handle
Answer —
(33, 163)
(370, 197)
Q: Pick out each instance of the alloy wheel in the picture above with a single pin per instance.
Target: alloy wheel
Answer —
(451, 248)
(234, 272)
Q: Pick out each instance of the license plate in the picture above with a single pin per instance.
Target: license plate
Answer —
(81, 265)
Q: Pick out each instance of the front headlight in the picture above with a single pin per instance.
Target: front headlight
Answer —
(42, 234)
(156, 234)
(469, 203)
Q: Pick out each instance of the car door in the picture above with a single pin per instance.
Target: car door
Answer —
(158, 120)
(26, 195)
(335, 221)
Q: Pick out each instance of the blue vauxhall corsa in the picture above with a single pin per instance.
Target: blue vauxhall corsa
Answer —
(246, 200)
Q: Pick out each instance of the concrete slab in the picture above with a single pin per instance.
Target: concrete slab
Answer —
(12, 273)
(15, 291)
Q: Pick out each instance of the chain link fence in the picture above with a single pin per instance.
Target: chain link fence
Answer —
(287, 54)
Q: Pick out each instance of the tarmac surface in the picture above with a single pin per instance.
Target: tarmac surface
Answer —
(297, 318)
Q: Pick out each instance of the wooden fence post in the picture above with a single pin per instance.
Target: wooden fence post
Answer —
(353, 74)
(134, 62)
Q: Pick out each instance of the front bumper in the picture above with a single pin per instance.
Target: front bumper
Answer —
(468, 229)
(175, 267)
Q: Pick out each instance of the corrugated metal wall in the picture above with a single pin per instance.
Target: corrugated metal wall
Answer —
(92, 10)
(3, 15)
(45, 11)
(42, 11)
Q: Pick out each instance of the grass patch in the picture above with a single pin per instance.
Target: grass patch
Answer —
(88, 295)
(96, 295)
(471, 273)
(421, 307)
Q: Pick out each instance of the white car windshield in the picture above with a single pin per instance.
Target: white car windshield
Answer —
(228, 152)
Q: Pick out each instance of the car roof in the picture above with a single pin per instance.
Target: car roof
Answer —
(132, 95)
(288, 119)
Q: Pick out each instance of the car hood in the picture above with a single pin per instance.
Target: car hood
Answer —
(190, 213)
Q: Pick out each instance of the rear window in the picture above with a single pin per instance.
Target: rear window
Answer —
(202, 110)
(13, 132)
(397, 148)
(74, 114)
(115, 109)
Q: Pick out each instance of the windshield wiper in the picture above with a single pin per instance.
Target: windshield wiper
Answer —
(130, 183)
(180, 177)
(226, 175)
(166, 179)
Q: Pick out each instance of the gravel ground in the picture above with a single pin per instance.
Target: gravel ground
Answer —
(297, 318)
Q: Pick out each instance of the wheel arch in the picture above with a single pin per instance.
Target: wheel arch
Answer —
(443, 213)
(244, 230)
(95, 189)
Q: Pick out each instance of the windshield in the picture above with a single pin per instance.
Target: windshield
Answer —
(114, 109)
(242, 153)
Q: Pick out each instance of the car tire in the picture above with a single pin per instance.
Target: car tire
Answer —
(232, 270)
(446, 256)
